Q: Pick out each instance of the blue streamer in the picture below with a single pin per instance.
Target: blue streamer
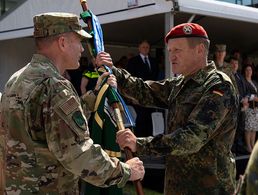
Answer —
(99, 45)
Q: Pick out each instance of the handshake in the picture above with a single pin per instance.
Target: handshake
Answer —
(126, 138)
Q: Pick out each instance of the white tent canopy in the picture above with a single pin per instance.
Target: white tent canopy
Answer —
(19, 22)
(124, 27)
(219, 9)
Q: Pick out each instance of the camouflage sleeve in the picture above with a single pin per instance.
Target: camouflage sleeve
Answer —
(202, 124)
(68, 139)
(146, 93)
(250, 184)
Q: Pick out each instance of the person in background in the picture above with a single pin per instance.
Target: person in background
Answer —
(89, 77)
(48, 143)
(239, 143)
(202, 108)
(222, 65)
(145, 67)
(237, 55)
(219, 56)
(251, 120)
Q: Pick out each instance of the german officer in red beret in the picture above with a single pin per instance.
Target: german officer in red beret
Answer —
(202, 111)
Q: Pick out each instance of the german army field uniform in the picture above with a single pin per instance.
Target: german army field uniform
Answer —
(202, 112)
(250, 178)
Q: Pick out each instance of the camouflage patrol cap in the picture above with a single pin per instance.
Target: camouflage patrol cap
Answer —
(220, 47)
(54, 23)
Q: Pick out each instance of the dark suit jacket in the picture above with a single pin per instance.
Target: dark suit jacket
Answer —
(241, 84)
(138, 68)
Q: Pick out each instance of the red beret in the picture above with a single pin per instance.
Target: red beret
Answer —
(186, 30)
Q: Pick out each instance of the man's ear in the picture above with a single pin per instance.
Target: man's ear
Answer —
(200, 48)
(62, 42)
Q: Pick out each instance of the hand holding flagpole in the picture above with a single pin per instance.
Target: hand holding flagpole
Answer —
(119, 121)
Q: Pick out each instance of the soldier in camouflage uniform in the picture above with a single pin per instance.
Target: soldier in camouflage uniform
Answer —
(202, 110)
(48, 145)
(220, 54)
(250, 178)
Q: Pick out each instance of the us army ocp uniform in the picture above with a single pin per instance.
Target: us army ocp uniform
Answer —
(48, 145)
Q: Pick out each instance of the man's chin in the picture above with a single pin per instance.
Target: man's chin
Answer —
(175, 72)
(74, 67)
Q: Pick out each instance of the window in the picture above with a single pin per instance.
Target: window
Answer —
(5, 5)
(242, 2)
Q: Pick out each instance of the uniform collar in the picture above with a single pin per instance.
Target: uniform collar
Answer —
(142, 56)
(201, 75)
(38, 58)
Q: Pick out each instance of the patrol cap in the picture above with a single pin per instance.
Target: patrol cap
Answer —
(54, 23)
(186, 30)
(220, 47)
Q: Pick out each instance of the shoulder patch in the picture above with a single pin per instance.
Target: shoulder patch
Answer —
(69, 106)
(79, 119)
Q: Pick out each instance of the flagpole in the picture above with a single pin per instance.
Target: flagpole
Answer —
(118, 116)
(128, 152)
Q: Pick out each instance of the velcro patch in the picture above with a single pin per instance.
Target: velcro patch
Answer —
(79, 119)
(69, 106)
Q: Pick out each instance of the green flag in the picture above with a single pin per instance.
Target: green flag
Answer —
(103, 132)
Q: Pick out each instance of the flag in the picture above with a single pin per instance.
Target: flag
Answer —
(104, 127)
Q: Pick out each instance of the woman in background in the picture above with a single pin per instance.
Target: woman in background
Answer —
(251, 121)
(89, 77)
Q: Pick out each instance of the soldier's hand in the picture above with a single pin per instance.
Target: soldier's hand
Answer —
(126, 138)
(137, 169)
(112, 81)
(104, 58)
(100, 79)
